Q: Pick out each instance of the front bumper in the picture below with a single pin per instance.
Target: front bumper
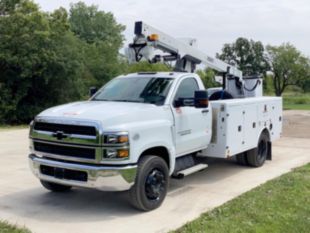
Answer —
(108, 178)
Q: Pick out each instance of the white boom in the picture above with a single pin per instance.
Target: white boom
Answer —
(148, 41)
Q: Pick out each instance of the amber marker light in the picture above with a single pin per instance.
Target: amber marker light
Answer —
(123, 139)
(153, 37)
(123, 153)
(204, 102)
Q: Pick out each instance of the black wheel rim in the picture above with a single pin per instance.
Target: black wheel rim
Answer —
(155, 184)
(262, 150)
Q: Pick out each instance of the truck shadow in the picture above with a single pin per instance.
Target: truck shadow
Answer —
(217, 170)
(75, 205)
(86, 205)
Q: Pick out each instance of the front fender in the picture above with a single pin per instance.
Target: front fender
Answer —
(152, 134)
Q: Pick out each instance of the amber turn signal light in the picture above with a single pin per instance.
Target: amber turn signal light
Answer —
(123, 153)
(153, 37)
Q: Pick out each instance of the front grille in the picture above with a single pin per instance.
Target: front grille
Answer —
(85, 153)
(67, 129)
(62, 173)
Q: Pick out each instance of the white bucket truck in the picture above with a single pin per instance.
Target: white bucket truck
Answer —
(140, 129)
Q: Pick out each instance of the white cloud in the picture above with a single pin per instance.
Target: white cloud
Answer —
(213, 22)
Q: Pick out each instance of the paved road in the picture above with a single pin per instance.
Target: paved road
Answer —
(25, 202)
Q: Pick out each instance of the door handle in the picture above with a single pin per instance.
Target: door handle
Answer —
(205, 111)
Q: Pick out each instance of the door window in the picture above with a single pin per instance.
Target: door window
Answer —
(187, 89)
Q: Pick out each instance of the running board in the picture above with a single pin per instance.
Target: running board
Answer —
(190, 170)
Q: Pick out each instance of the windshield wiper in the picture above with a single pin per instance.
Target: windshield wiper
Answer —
(133, 101)
(100, 100)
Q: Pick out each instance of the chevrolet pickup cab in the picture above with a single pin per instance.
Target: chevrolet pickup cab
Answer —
(140, 129)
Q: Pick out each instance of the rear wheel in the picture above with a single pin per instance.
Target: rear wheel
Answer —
(55, 187)
(150, 188)
(257, 156)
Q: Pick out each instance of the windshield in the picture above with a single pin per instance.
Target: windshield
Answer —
(136, 89)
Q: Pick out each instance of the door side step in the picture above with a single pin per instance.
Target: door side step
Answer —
(196, 168)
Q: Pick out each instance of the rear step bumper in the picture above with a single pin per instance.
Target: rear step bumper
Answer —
(90, 176)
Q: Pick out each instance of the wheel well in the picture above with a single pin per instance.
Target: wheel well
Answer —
(160, 151)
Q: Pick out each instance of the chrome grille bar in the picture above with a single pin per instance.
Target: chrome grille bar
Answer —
(70, 131)
(66, 139)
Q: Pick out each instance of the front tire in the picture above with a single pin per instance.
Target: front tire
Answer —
(55, 187)
(151, 184)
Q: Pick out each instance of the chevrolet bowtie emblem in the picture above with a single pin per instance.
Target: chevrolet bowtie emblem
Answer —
(60, 135)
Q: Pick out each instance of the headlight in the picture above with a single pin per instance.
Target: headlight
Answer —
(115, 153)
(116, 145)
(116, 138)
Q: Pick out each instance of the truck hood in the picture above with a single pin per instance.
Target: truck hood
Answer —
(107, 113)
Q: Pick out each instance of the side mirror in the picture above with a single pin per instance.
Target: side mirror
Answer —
(184, 102)
(92, 91)
(177, 103)
(201, 99)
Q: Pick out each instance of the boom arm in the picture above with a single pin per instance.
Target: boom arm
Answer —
(149, 40)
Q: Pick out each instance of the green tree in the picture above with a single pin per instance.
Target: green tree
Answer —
(7, 6)
(93, 25)
(288, 65)
(103, 37)
(44, 63)
(248, 55)
(304, 83)
(208, 77)
(144, 66)
(21, 59)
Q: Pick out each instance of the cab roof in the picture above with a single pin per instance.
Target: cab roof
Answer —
(158, 74)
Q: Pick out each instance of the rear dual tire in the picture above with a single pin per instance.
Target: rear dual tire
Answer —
(242, 159)
(255, 157)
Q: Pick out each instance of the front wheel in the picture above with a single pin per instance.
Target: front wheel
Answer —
(151, 184)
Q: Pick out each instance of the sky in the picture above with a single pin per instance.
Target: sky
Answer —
(212, 22)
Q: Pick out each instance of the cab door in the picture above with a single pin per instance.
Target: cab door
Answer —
(192, 125)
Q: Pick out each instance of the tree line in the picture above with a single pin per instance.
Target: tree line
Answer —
(50, 58)
(284, 64)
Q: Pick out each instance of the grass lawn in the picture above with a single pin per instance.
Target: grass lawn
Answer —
(7, 228)
(296, 106)
(280, 205)
(296, 101)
